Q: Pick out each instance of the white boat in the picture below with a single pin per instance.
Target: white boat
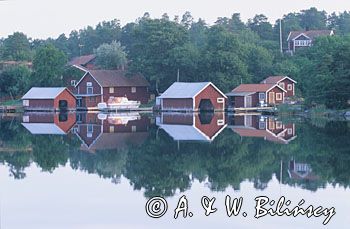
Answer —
(119, 103)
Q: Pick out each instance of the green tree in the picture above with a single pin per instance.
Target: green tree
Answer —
(311, 19)
(261, 26)
(16, 47)
(14, 80)
(48, 66)
(110, 56)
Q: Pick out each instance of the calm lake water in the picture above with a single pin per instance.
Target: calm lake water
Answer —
(90, 170)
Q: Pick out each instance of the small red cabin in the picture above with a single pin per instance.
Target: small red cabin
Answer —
(284, 82)
(253, 95)
(49, 99)
(192, 97)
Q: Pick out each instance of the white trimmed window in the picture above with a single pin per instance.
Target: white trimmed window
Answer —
(220, 100)
(278, 125)
(262, 125)
(289, 87)
(88, 84)
(73, 83)
(111, 90)
(278, 96)
(133, 128)
(220, 122)
(133, 89)
(26, 103)
(25, 118)
(90, 130)
(89, 90)
(290, 131)
(262, 96)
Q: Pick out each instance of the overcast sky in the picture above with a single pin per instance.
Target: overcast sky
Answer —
(50, 18)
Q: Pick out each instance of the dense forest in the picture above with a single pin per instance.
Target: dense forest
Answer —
(227, 53)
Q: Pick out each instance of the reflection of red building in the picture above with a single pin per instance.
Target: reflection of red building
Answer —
(112, 131)
(192, 127)
(300, 171)
(264, 127)
(49, 123)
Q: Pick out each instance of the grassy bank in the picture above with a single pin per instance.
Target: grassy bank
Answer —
(16, 103)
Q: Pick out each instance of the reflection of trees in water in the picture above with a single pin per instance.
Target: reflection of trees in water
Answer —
(162, 167)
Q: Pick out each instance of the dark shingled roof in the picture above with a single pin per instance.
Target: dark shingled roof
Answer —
(276, 79)
(82, 60)
(253, 87)
(312, 34)
(118, 78)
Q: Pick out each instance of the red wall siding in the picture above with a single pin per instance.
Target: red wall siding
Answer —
(40, 117)
(177, 118)
(81, 87)
(41, 104)
(212, 128)
(91, 101)
(65, 125)
(239, 101)
(275, 90)
(141, 125)
(66, 95)
(210, 93)
(82, 132)
(289, 93)
(141, 94)
(177, 104)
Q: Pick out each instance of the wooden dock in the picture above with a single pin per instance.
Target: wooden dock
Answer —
(8, 109)
(252, 110)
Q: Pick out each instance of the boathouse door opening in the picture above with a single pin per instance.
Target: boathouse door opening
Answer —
(206, 105)
(63, 104)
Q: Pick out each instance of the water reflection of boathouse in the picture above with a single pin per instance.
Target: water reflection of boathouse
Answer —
(192, 126)
(268, 128)
(48, 123)
(111, 131)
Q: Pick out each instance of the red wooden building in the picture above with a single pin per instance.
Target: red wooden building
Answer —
(267, 128)
(253, 95)
(49, 99)
(284, 82)
(192, 126)
(192, 97)
(304, 39)
(111, 131)
(98, 86)
(48, 122)
(86, 62)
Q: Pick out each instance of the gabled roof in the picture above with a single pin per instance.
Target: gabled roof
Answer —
(43, 128)
(312, 34)
(184, 90)
(276, 79)
(255, 88)
(82, 60)
(108, 141)
(184, 133)
(44, 92)
(118, 78)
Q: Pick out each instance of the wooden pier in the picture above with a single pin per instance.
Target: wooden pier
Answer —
(8, 109)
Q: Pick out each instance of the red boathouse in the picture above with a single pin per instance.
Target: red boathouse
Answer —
(49, 99)
(192, 97)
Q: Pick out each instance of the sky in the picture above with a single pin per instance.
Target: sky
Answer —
(50, 18)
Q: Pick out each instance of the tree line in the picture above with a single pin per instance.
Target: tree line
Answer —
(228, 53)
